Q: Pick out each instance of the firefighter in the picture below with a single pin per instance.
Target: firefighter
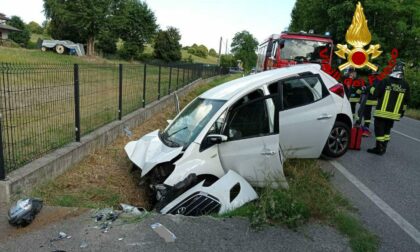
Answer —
(393, 95)
(372, 100)
(354, 89)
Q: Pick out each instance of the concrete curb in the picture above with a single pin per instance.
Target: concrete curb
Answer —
(55, 163)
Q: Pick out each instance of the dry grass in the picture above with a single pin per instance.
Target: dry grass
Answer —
(103, 178)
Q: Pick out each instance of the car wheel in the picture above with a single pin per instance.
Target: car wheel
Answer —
(338, 140)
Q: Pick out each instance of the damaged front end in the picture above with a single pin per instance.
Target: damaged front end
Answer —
(229, 192)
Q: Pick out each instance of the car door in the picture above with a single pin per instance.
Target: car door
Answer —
(252, 148)
(307, 116)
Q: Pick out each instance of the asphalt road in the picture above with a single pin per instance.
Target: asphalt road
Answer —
(386, 189)
(203, 233)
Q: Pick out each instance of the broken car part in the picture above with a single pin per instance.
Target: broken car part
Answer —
(229, 192)
(24, 211)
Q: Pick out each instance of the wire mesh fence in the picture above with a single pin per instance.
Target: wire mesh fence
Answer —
(43, 107)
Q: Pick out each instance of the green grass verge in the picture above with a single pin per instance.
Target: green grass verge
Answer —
(310, 196)
(413, 113)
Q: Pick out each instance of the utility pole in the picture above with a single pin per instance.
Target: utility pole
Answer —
(220, 49)
(226, 46)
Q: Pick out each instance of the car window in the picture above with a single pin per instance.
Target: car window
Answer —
(248, 120)
(301, 91)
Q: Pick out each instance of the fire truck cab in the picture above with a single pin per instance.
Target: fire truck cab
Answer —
(291, 48)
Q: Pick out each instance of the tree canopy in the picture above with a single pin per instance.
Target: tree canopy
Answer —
(167, 46)
(22, 37)
(243, 47)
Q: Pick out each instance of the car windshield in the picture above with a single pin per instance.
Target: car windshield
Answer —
(308, 50)
(190, 122)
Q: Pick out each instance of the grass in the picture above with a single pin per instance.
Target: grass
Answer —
(310, 196)
(413, 113)
(148, 50)
(103, 178)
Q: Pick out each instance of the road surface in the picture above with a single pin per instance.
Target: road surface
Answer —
(386, 189)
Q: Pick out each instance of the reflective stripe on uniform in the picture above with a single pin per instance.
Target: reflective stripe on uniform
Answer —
(367, 121)
(388, 115)
(372, 102)
(380, 139)
(387, 137)
(398, 104)
(385, 101)
(354, 99)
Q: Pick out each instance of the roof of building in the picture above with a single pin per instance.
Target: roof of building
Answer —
(8, 27)
(243, 85)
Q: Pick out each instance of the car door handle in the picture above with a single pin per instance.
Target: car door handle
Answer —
(324, 117)
(268, 153)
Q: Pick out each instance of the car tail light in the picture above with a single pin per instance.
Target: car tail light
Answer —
(338, 89)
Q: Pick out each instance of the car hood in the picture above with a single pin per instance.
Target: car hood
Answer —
(149, 151)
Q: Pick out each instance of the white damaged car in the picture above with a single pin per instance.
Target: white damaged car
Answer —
(240, 132)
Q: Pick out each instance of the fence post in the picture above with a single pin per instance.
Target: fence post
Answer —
(159, 82)
(144, 86)
(177, 78)
(183, 76)
(170, 80)
(2, 164)
(76, 102)
(120, 83)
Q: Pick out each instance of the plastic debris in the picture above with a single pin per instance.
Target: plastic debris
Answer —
(127, 132)
(24, 211)
(83, 244)
(132, 209)
(163, 232)
(61, 236)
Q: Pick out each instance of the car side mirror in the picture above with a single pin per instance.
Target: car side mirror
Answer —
(216, 138)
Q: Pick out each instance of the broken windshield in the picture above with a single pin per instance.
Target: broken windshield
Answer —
(307, 50)
(185, 128)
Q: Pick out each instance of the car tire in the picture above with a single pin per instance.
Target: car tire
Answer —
(338, 140)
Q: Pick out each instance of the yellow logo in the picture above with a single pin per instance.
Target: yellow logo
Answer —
(358, 36)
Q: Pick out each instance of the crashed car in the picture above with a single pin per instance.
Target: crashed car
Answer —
(247, 126)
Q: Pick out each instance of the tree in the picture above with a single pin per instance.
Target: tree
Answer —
(227, 61)
(167, 46)
(198, 50)
(135, 23)
(212, 52)
(243, 47)
(21, 37)
(34, 27)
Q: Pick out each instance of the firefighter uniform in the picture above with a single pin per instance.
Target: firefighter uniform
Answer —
(393, 95)
(372, 100)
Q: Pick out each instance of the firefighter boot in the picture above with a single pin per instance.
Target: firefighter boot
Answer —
(378, 150)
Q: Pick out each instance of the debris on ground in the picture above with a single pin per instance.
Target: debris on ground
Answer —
(127, 132)
(163, 232)
(24, 211)
(83, 244)
(61, 236)
(129, 209)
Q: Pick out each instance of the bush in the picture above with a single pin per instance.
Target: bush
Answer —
(412, 77)
(130, 51)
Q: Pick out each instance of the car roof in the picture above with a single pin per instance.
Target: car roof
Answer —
(245, 84)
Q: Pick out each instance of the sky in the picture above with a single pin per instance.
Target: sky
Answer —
(199, 21)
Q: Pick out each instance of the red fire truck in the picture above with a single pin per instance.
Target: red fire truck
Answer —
(290, 48)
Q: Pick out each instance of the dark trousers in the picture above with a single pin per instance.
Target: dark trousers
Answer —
(367, 114)
(353, 107)
(383, 129)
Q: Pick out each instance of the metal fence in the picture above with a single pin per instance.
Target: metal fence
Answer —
(43, 107)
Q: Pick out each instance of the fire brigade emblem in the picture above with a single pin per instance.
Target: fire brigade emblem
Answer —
(358, 36)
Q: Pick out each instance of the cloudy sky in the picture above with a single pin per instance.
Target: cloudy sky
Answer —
(199, 21)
